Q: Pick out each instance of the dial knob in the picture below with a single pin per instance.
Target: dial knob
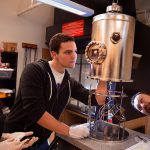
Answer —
(115, 38)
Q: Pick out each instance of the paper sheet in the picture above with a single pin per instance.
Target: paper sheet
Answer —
(140, 146)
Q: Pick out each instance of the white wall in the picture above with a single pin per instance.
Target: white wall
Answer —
(24, 28)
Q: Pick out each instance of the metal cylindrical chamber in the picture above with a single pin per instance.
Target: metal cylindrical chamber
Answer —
(111, 50)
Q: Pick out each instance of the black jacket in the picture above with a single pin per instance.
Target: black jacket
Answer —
(1, 122)
(38, 93)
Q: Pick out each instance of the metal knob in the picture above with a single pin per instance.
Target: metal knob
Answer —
(115, 38)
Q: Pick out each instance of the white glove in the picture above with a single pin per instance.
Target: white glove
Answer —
(79, 131)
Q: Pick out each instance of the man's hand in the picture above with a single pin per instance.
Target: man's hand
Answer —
(101, 88)
(79, 132)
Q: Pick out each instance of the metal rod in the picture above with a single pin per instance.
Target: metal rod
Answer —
(121, 115)
(90, 109)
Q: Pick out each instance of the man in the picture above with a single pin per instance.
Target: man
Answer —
(141, 101)
(44, 91)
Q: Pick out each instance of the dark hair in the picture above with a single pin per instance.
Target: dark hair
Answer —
(57, 39)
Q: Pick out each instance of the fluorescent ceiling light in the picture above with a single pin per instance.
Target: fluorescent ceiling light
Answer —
(70, 6)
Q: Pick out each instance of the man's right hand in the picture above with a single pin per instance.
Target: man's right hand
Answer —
(79, 132)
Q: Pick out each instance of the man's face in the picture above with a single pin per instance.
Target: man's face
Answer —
(142, 103)
(67, 55)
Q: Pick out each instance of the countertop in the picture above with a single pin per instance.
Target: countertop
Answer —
(92, 144)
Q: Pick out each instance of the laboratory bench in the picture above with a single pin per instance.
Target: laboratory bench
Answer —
(78, 115)
(92, 144)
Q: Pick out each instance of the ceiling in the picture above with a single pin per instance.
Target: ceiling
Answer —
(38, 13)
(44, 14)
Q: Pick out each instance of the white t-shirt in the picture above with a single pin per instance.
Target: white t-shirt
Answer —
(57, 75)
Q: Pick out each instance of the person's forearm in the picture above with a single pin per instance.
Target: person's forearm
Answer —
(49, 122)
(101, 88)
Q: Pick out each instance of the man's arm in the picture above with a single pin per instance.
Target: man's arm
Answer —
(49, 122)
(80, 93)
(101, 88)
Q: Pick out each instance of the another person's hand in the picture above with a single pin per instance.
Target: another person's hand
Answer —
(79, 132)
(17, 135)
(142, 103)
(12, 144)
(30, 142)
(14, 138)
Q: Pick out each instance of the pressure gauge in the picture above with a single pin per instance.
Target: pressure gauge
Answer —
(95, 52)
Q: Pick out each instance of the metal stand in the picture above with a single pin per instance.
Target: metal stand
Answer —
(102, 128)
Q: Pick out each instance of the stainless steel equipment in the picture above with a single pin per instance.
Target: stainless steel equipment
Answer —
(111, 49)
(110, 54)
(101, 130)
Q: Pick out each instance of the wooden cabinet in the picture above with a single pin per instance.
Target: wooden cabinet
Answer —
(70, 117)
(9, 58)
